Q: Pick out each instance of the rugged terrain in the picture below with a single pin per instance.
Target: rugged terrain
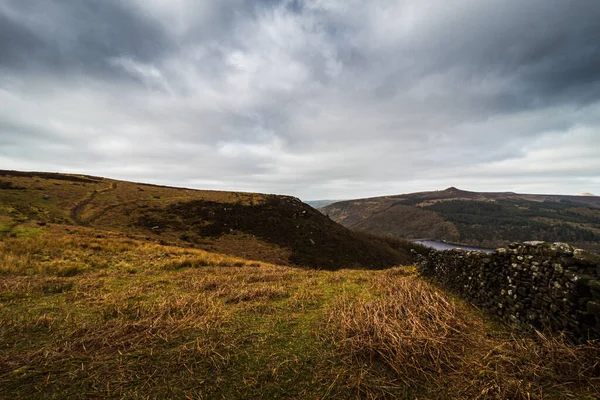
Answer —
(85, 314)
(472, 218)
(107, 290)
(277, 229)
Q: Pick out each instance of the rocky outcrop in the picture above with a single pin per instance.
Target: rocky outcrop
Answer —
(529, 285)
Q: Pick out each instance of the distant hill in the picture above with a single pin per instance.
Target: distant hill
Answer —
(473, 218)
(276, 229)
(320, 203)
(586, 194)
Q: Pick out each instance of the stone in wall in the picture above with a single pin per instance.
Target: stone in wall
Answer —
(530, 285)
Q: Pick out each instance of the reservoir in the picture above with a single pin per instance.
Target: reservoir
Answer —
(449, 246)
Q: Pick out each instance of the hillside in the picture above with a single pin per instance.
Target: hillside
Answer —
(90, 314)
(320, 203)
(270, 228)
(105, 292)
(472, 218)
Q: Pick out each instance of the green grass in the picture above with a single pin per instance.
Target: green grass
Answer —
(235, 332)
(25, 231)
(82, 316)
(5, 227)
(270, 228)
(90, 313)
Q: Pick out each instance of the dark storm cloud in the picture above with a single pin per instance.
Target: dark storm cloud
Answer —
(538, 52)
(318, 98)
(71, 35)
(548, 52)
(16, 42)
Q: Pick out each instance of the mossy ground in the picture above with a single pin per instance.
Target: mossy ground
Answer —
(85, 316)
(92, 307)
(88, 315)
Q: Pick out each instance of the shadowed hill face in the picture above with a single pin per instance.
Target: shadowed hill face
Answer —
(473, 218)
(277, 229)
(311, 238)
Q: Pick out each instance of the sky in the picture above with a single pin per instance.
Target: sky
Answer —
(320, 99)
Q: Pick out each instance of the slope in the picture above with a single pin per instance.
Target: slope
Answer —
(473, 218)
(110, 318)
(278, 229)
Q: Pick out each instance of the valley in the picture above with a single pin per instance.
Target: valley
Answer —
(114, 289)
(487, 220)
(438, 245)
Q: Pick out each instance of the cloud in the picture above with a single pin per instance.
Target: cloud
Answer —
(316, 98)
(70, 36)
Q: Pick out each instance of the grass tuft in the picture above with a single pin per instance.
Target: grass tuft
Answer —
(414, 341)
(84, 315)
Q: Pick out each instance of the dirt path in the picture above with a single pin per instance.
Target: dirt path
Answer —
(106, 209)
(81, 204)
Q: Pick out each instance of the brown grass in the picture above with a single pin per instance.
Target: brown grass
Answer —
(270, 228)
(413, 340)
(148, 321)
(90, 315)
(262, 293)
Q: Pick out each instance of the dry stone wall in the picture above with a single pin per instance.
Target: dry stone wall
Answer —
(529, 285)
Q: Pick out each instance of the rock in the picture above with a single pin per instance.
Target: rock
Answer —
(539, 284)
(594, 284)
(534, 243)
(557, 285)
(572, 275)
(561, 248)
(586, 259)
(593, 307)
(558, 268)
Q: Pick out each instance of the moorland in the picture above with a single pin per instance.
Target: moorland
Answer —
(113, 289)
(487, 220)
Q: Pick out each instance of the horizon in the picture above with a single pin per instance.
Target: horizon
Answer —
(321, 199)
(317, 99)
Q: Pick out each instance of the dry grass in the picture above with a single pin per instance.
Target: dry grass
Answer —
(414, 341)
(64, 255)
(531, 368)
(261, 293)
(412, 330)
(225, 222)
(148, 321)
(83, 316)
(123, 343)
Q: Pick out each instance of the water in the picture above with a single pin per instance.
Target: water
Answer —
(449, 246)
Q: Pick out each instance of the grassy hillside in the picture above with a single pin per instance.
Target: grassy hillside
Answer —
(107, 290)
(93, 314)
(481, 219)
(277, 229)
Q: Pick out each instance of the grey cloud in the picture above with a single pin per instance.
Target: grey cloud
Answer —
(317, 98)
(544, 51)
(16, 42)
(75, 36)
